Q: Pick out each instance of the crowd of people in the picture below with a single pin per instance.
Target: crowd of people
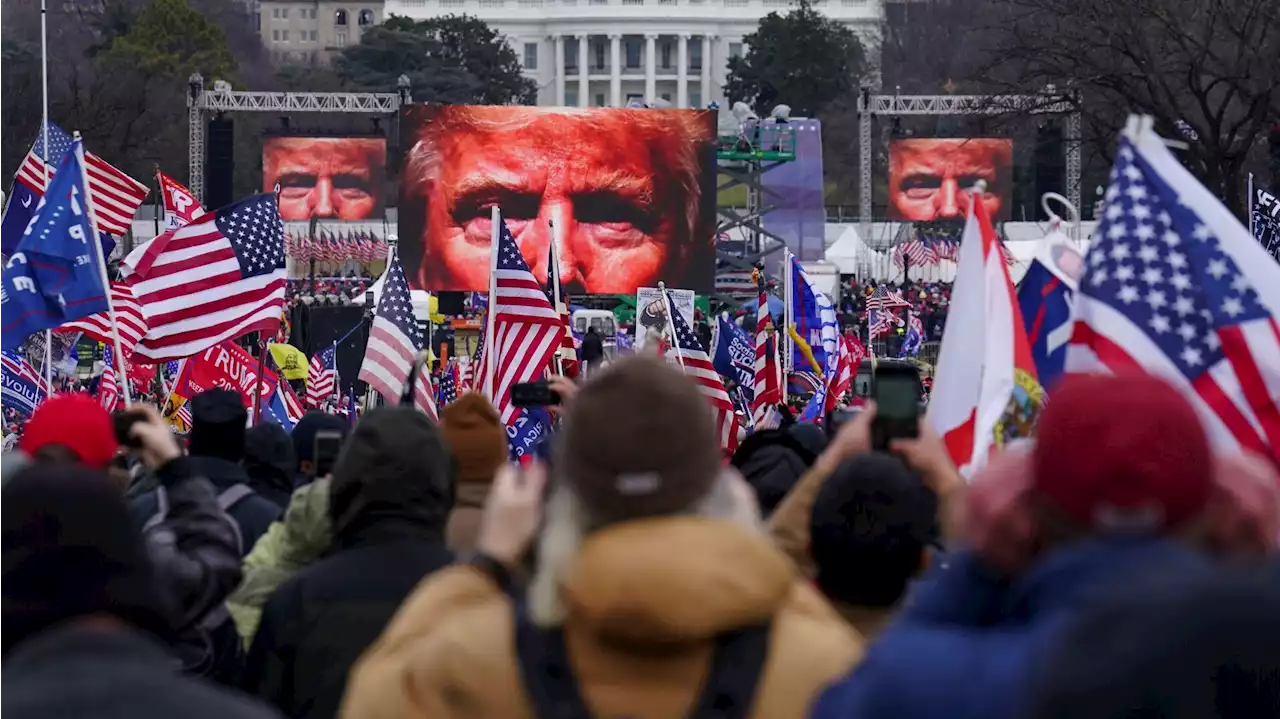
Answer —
(1116, 566)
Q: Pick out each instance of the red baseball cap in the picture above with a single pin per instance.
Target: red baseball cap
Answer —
(1122, 453)
(75, 421)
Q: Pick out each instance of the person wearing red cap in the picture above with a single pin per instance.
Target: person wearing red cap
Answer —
(1119, 485)
(70, 428)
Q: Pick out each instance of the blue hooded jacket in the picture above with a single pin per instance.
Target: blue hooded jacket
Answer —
(967, 643)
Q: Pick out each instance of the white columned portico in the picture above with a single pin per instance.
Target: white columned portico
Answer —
(615, 70)
(682, 71)
(707, 50)
(584, 83)
(650, 67)
(559, 69)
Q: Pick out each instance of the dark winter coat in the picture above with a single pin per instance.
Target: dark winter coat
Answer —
(592, 347)
(75, 670)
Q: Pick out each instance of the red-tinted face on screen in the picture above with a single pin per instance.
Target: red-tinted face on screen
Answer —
(931, 179)
(329, 177)
(624, 188)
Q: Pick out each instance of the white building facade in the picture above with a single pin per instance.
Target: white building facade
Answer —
(607, 53)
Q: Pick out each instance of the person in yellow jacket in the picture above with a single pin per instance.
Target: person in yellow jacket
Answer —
(652, 568)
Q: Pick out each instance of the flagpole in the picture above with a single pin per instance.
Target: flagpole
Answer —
(102, 268)
(1248, 207)
(553, 278)
(671, 323)
(495, 233)
(48, 171)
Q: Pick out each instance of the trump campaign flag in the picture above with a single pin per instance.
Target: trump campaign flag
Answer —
(1044, 298)
(1175, 286)
(814, 318)
(985, 389)
(116, 196)
(180, 206)
(54, 275)
(1264, 220)
(735, 356)
(23, 387)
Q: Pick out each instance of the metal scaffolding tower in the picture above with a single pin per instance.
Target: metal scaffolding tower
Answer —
(1049, 103)
(223, 99)
(743, 159)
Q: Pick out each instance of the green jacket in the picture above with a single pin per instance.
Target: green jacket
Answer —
(287, 547)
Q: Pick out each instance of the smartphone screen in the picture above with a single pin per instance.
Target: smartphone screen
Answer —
(533, 394)
(328, 444)
(897, 396)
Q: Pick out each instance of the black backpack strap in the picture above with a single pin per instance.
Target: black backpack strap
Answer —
(736, 668)
(545, 670)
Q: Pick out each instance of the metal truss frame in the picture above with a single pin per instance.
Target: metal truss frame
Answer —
(1049, 103)
(760, 242)
(223, 99)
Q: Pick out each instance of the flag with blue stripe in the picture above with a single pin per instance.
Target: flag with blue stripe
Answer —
(53, 276)
(815, 319)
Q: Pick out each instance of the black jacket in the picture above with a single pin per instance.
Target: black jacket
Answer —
(592, 347)
(74, 671)
(195, 550)
(317, 624)
(253, 514)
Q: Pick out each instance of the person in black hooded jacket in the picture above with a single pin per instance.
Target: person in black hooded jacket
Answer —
(390, 497)
(270, 462)
(773, 460)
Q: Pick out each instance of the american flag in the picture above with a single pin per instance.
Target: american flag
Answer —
(698, 366)
(129, 319)
(394, 342)
(215, 279)
(527, 329)
(292, 405)
(850, 357)
(448, 392)
(116, 196)
(184, 414)
(917, 252)
(883, 298)
(322, 376)
(767, 392)
(108, 388)
(567, 354)
(1175, 286)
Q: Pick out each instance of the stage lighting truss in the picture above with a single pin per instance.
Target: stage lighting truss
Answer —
(1050, 102)
(222, 99)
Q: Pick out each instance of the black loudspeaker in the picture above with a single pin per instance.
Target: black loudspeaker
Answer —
(322, 325)
(1050, 162)
(450, 303)
(220, 165)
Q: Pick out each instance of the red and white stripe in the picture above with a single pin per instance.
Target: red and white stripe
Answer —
(116, 196)
(108, 388)
(766, 386)
(129, 319)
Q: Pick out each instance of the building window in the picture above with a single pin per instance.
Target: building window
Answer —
(275, 13)
(531, 56)
(284, 35)
(666, 56)
(599, 99)
(570, 99)
(366, 18)
(667, 96)
(571, 57)
(311, 36)
(695, 99)
(599, 56)
(735, 50)
(275, 36)
(284, 13)
(695, 57)
(257, 22)
(633, 54)
(340, 39)
(340, 18)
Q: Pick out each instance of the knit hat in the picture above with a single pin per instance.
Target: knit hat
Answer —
(1122, 453)
(639, 440)
(476, 437)
(218, 418)
(74, 421)
(304, 432)
(71, 549)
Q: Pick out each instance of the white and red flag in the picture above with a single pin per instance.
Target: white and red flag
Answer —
(180, 206)
(394, 343)
(984, 356)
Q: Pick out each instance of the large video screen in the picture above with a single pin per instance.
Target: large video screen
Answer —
(631, 190)
(341, 178)
(930, 179)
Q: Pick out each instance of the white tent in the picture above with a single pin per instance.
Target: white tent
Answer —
(852, 255)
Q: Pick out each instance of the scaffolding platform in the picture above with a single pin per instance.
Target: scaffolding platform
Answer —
(765, 142)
